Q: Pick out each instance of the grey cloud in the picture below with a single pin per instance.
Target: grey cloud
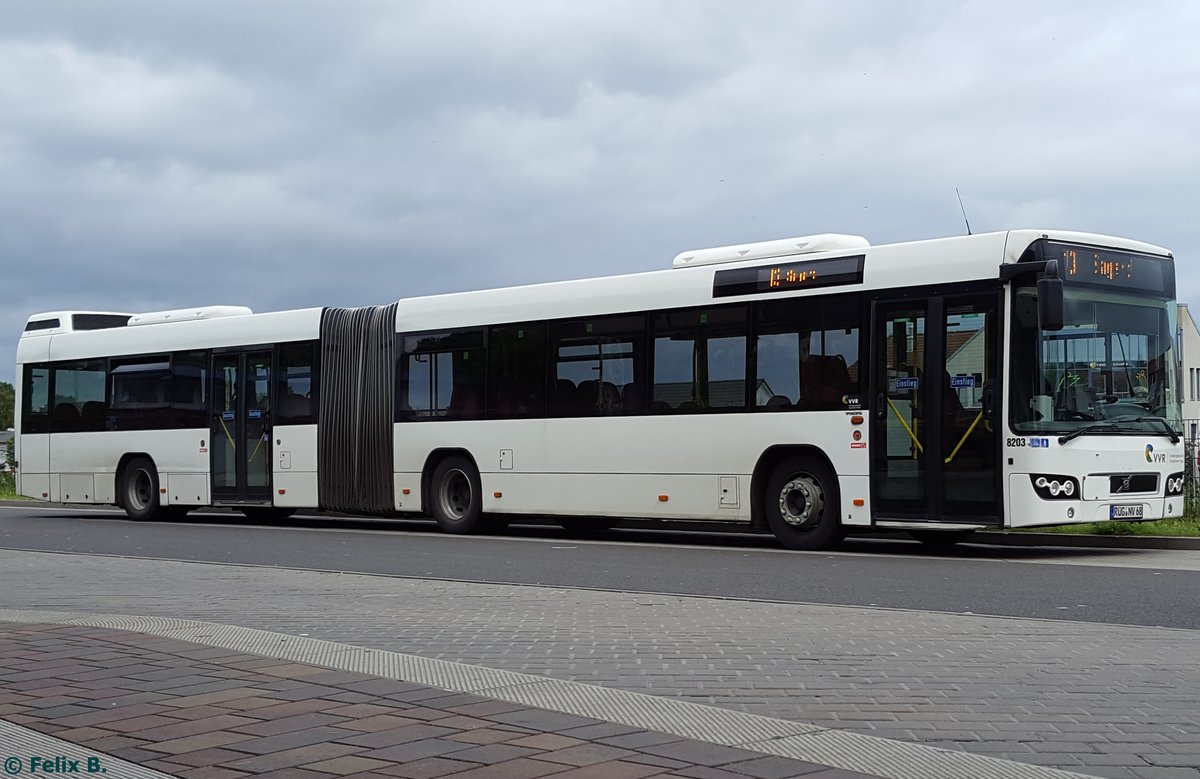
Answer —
(282, 155)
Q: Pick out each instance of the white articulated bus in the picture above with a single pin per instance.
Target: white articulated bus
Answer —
(808, 387)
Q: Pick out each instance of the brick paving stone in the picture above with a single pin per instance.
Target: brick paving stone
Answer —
(274, 727)
(521, 768)
(294, 773)
(495, 753)
(196, 727)
(298, 738)
(637, 740)
(430, 768)
(211, 772)
(341, 766)
(210, 756)
(379, 722)
(201, 741)
(140, 723)
(547, 741)
(617, 769)
(404, 735)
(290, 758)
(359, 712)
(484, 736)
(415, 750)
(542, 720)
(585, 754)
(705, 772)
(772, 768)
(292, 708)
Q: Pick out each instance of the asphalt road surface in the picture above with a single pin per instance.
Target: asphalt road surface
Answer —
(1112, 586)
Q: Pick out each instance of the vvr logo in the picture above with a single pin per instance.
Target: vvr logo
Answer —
(1151, 457)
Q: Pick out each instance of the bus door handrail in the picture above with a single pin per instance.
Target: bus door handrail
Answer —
(966, 435)
(907, 429)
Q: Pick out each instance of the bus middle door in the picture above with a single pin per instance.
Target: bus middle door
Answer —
(241, 427)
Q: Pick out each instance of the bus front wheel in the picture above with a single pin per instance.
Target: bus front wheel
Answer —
(138, 490)
(802, 505)
(457, 496)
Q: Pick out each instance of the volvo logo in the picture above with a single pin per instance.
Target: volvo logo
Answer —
(1123, 486)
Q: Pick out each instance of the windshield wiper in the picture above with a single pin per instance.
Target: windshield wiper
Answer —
(1169, 431)
(1092, 428)
(1109, 424)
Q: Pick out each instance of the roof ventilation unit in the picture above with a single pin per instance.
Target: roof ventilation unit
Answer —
(806, 244)
(188, 315)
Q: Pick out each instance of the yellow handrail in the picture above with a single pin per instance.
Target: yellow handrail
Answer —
(966, 435)
(907, 429)
(228, 435)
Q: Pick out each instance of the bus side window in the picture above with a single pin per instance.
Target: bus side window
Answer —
(592, 359)
(700, 359)
(296, 402)
(78, 388)
(140, 394)
(807, 353)
(35, 399)
(441, 376)
(516, 371)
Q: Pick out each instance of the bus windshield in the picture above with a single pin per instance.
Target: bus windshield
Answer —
(1113, 362)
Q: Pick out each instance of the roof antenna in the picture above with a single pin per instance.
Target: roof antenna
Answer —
(964, 211)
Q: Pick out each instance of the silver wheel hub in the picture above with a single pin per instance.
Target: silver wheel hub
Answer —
(801, 502)
(141, 490)
(455, 494)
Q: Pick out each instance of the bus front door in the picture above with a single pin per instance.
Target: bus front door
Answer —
(241, 428)
(935, 409)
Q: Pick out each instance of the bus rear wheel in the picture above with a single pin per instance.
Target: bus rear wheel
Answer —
(137, 490)
(457, 496)
(801, 504)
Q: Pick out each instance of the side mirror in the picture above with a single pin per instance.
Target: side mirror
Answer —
(1050, 298)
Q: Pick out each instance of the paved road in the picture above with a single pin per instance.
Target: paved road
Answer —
(1128, 587)
(1106, 700)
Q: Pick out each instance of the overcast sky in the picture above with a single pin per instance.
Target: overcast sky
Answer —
(289, 154)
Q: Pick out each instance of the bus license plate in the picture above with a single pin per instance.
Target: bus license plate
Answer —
(1125, 512)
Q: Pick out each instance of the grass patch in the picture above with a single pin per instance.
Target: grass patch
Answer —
(8, 487)
(1187, 525)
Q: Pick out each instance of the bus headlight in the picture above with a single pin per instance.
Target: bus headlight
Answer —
(1049, 487)
(1175, 484)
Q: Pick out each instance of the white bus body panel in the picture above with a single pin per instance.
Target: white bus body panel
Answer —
(620, 466)
(181, 457)
(295, 469)
(1091, 459)
(84, 465)
(230, 331)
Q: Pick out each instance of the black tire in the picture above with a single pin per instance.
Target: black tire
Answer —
(456, 496)
(137, 490)
(941, 539)
(266, 514)
(587, 524)
(802, 505)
